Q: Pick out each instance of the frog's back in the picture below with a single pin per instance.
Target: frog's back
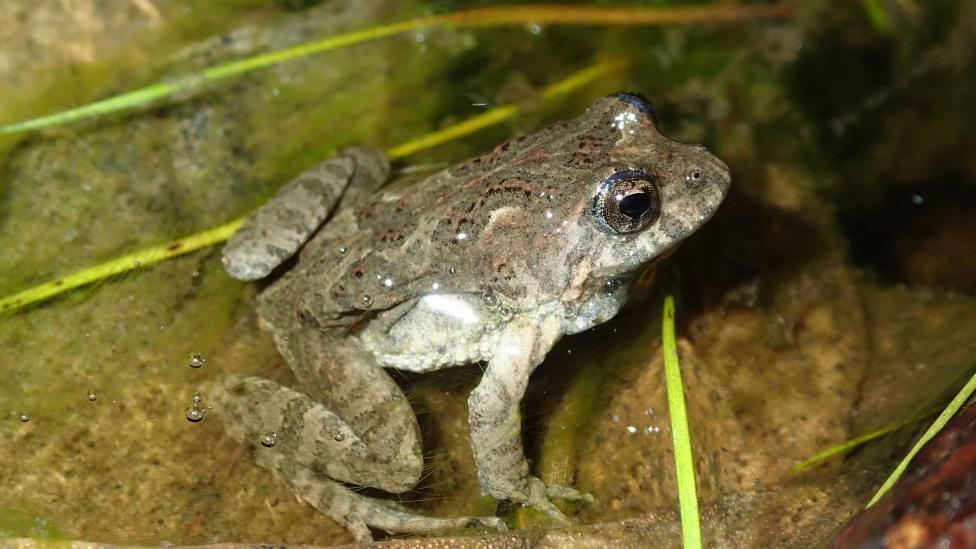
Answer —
(467, 229)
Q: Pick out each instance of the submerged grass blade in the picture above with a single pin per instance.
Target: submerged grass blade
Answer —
(545, 14)
(135, 260)
(216, 235)
(501, 113)
(685, 465)
(845, 446)
(858, 441)
(950, 410)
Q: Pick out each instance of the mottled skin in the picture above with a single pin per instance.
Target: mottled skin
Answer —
(491, 260)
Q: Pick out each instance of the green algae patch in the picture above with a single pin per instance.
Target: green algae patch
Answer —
(18, 522)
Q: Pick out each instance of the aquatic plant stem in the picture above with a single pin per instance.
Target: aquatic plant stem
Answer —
(216, 235)
(543, 14)
(680, 433)
(950, 410)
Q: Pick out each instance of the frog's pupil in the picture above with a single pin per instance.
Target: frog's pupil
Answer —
(635, 205)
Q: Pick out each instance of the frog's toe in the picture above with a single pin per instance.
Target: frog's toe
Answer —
(538, 497)
(493, 523)
(359, 530)
(572, 494)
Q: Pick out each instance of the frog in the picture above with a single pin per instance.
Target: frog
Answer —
(491, 261)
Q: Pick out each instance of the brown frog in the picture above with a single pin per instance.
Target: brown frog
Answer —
(491, 260)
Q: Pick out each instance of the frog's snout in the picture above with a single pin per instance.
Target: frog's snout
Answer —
(710, 170)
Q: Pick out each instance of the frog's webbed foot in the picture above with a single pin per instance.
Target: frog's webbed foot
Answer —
(281, 226)
(533, 492)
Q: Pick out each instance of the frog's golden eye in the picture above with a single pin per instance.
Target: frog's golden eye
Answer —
(626, 202)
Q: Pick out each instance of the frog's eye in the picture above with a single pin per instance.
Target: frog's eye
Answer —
(626, 202)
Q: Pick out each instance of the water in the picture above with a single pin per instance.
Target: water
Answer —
(835, 276)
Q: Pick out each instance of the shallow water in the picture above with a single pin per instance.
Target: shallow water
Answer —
(832, 294)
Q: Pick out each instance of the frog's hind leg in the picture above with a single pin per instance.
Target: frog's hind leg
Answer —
(357, 512)
(278, 229)
(352, 423)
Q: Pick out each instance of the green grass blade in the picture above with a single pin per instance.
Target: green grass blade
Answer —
(155, 254)
(553, 14)
(685, 465)
(858, 441)
(500, 113)
(135, 260)
(847, 445)
(950, 410)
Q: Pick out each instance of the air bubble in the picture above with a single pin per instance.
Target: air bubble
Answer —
(92, 396)
(340, 436)
(342, 250)
(195, 413)
(366, 300)
(268, 440)
(195, 360)
(197, 397)
(452, 270)
(24, 418)
(489, 299)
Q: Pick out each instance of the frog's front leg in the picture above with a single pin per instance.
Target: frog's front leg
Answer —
(278, 229)
(496, 426)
